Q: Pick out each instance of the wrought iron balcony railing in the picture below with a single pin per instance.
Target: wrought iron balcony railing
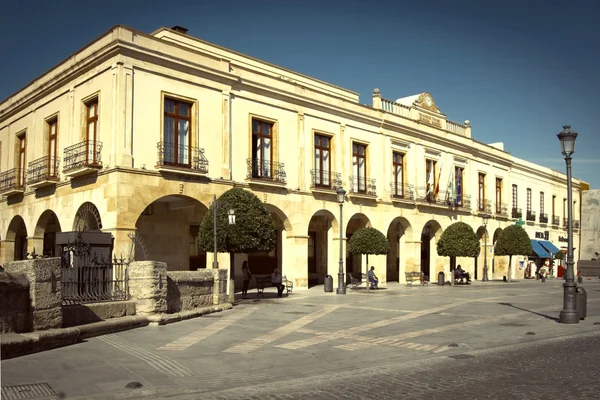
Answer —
(83, 154)
(555, 220)
(463, 202)
(530, 215)
(265, 170)
(328, 180)
(12, 181)
(181, 156)
(502, 209)
(565, 222)
(402, 191)
(516, 213)
(484, 206)
(432, 197)
(575, 224)
(43, 169)
(360, 185)
(543, 218)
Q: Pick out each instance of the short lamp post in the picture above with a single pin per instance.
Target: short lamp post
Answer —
(569, 314)
(485, 268)
(341, 289)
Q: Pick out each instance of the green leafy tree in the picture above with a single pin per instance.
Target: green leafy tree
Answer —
(513, 241)
(253, 231)
(458, 240)
(368, 241)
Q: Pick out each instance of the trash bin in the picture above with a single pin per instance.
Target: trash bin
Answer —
(581, 301)
(441, 280)
(328, 283)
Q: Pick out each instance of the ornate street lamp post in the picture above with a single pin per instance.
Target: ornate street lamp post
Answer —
(215, 262)
(341, 289)
(485, 268)
(569, 314)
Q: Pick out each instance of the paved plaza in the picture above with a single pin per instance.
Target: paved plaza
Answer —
(420, 342)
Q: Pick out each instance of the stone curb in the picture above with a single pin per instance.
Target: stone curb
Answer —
(15, 345)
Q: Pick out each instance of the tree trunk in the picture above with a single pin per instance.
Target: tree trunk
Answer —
(509, 268)
(232, 271)
(367, 276)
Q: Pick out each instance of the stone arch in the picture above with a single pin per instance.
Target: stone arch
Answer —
(431, 263)
(354, 262)
(496, 235)
(323, 236)
(87, 218)
(400, 238)
(167, 230)
(45, 232)
(282, 218)
(16, 239)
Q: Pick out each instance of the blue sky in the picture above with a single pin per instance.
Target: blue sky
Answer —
(518, 70)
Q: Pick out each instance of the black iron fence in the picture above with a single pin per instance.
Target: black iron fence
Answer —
(42, 169)
(362, 185)
(325, 179)
(11, 180)
(265, 170)
(83, 154)
(182, 156)
(402, 191)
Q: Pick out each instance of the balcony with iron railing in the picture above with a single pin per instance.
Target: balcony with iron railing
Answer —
(43, 172)
(575, 224)
(321, 180)
(83, 158)
(484, 206)
(555, 220)
(402, 191)
(565, 222)
(265, 172)
(516, 213)
(181, 159)
(462, 202)
(543, 218)
(12, 182)
(530, 215)
(502, 210)
(361, 186)
(429, 196)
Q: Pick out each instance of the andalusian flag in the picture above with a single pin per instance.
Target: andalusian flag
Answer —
(451, 189)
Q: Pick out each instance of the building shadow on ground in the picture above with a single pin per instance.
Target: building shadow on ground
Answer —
(555, 319)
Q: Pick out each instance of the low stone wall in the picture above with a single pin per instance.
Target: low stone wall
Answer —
(80, 314)
(14, 303)
(187, 290)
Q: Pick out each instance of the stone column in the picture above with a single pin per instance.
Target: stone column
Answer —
(295, 260)
(7, 251)
(148, 286)
(44, 275)
(220, 285)
(35, 243)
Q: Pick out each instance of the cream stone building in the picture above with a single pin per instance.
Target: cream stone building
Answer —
(135, 133)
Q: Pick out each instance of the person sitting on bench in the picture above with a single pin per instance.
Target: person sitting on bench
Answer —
(373, 278)
(276, 281)
(462, 274)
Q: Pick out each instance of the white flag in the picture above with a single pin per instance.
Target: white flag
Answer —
(451, 189)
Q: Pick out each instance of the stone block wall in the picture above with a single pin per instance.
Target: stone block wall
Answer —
(187, 290)
(44, 276)
(14, 303)
(148, 286)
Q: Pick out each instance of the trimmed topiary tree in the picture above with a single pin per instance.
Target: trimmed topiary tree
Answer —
(458, 240)
(253, 231)
(368, 241)
(512, 241)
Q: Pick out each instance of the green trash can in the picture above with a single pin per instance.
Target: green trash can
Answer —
(328, 283)
(581, 302)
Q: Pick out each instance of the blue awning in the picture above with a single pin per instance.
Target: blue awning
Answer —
(539, 249)
(549, 246)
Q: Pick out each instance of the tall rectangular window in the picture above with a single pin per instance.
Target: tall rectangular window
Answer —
(92, 132)
(52, 143)
(553, 206)
(541, 203)
(359, 167)
(481, 183)
(177, 133)
(22, 170)
(498, 195)
(564, 209)
(262, 149)
(528, 200)
(430, 179)
(458, 185)
(398, 172)
(515, 198)
(322, 161)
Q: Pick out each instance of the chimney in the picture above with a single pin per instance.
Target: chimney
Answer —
(180, 29)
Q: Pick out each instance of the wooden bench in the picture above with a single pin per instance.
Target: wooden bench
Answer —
(413, 276)
(459, 278)
(356, 279)
(264, 281)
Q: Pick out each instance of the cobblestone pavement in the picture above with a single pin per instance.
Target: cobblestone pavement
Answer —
(385, 344)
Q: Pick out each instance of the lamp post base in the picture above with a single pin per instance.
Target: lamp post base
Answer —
(485, 276)
(569, 314)
(341, 289)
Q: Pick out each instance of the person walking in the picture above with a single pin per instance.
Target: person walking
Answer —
(246, 276)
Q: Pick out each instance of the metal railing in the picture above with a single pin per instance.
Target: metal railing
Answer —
(11, 180)
(484, 206)
(555, 220)
(516, 213)
(530, 215)
(402, 191)
(464, 202)
(543, 218)
(502, 209)
(362, 185)
(43, 169)
(83, 154)
(265, 170)
(431, 197)
(182, 156)
(94, 280)
(325, 179)
(575, 224)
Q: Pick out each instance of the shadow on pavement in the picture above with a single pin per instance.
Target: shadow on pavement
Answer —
(555, 319)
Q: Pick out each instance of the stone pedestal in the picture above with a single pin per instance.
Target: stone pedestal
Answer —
(220, 286)
(148, 286)
(44, 275)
